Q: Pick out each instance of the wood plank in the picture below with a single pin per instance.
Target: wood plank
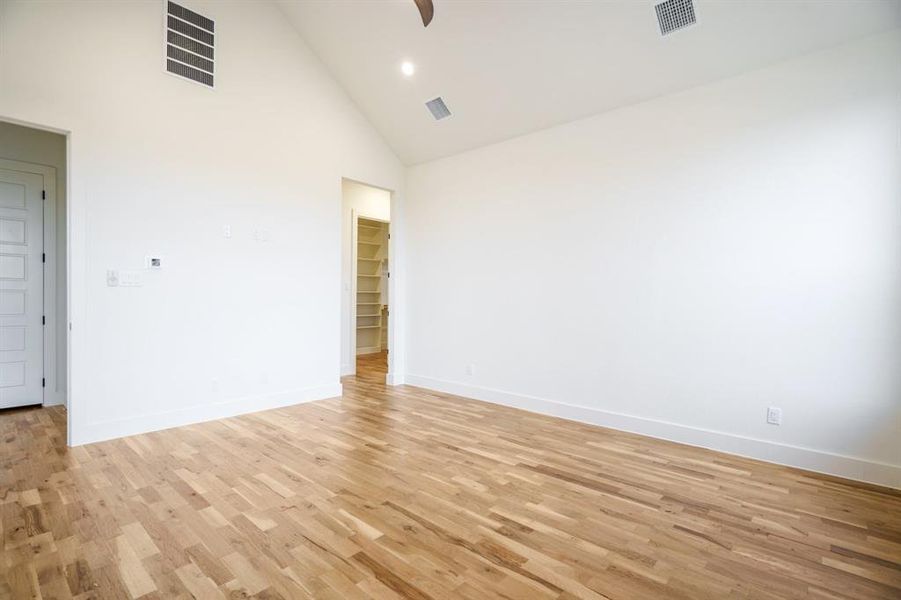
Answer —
(391, 492)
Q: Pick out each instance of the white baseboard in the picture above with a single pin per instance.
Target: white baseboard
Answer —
(98, 432)
(773, 452)
(54, 398)
(394, 379)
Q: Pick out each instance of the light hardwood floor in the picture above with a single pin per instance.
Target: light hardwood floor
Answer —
(399, 492)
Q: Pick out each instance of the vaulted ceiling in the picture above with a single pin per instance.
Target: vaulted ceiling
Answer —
(510, 67)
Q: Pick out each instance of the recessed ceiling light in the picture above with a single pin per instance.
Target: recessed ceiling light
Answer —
(407, 68)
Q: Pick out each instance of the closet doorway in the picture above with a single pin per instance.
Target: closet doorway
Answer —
(366, 303)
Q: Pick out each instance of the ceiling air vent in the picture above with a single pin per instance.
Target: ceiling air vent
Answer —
(189, 44)
(675, 14)
(438, 109)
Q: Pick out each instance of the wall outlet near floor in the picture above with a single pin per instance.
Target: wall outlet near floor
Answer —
(470, 369)
(774, 415)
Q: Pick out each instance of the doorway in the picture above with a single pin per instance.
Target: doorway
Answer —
(32, 267)
(366, 300)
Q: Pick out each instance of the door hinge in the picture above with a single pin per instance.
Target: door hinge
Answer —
(43, 194)
(43, 382)
(43, 319)
(389, 236)
(43, 257)
(389, 273)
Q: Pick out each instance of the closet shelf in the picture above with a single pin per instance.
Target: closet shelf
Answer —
(372, 263)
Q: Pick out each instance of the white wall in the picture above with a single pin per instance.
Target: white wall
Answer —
(29, 145)
(161, 165)
(675, 267)
(366, 201)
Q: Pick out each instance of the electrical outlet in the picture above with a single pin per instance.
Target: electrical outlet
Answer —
(470, 369)
(774, 415)
(226, 231)
(112, 278)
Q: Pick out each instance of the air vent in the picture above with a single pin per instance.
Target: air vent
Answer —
(675, 14)
(438, 109)
(189, 44)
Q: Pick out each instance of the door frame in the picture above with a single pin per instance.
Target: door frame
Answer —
(50, 393)
(352, 323)
(395, 257)
(75, 263)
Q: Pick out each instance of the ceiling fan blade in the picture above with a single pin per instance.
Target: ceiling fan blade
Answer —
(426, 10)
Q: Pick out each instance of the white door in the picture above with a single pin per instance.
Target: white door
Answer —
(21, 288)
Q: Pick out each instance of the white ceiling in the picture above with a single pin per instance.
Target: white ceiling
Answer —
(509, 67)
